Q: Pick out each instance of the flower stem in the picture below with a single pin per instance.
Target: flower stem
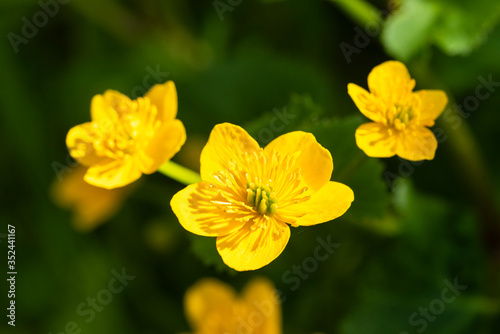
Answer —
(179, 173)
(359, 10)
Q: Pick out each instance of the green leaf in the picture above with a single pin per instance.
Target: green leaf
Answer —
(204, 248)
(360, 172)
(457, 27)
(410, 28)
(351, 166)
(427, 262)
(300, 111)
(464, 25)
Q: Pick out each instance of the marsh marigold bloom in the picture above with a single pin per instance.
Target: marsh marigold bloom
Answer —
(400, 116)
(127, 138)
(213, 307)
(90, 205)
(249, 194)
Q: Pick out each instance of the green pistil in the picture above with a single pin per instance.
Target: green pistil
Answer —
(261, 198)
(405, 114)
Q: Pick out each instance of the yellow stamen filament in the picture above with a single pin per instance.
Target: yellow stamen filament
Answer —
(135, 121)
(400, 116)
(259, 188)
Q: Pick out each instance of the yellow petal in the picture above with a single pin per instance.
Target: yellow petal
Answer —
(376, 140)
(164, 97)
(198, 212)
(418, 143)
(367, 103)
(105, 109)
(166, 142)
(250, 249)
(432, 104)
(391, 82)
(113, 174)
(330, 202)
(314, 160)
(226, 142)
(261, 296)
(80, 140)
(204, 297)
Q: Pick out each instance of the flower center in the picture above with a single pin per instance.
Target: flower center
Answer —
(402, 116)
(262, 198)
(133, 121)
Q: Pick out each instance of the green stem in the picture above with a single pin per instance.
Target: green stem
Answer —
(179, 173)
(125, 25)
(359, 10)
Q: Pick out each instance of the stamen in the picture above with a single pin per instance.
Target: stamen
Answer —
(261, 198)
(400, 116)
(259, 186)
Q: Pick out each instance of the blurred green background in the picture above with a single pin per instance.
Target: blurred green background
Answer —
(399, 244)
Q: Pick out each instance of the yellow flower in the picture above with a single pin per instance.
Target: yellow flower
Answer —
(127, 138)
(91, 205)
(249, 194)
(400, 116)
(213, 307)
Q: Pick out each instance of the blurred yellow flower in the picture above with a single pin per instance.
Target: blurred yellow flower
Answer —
(91, 205)
(400, 116)
(213, 307)
(127, 138)
(249, 194)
